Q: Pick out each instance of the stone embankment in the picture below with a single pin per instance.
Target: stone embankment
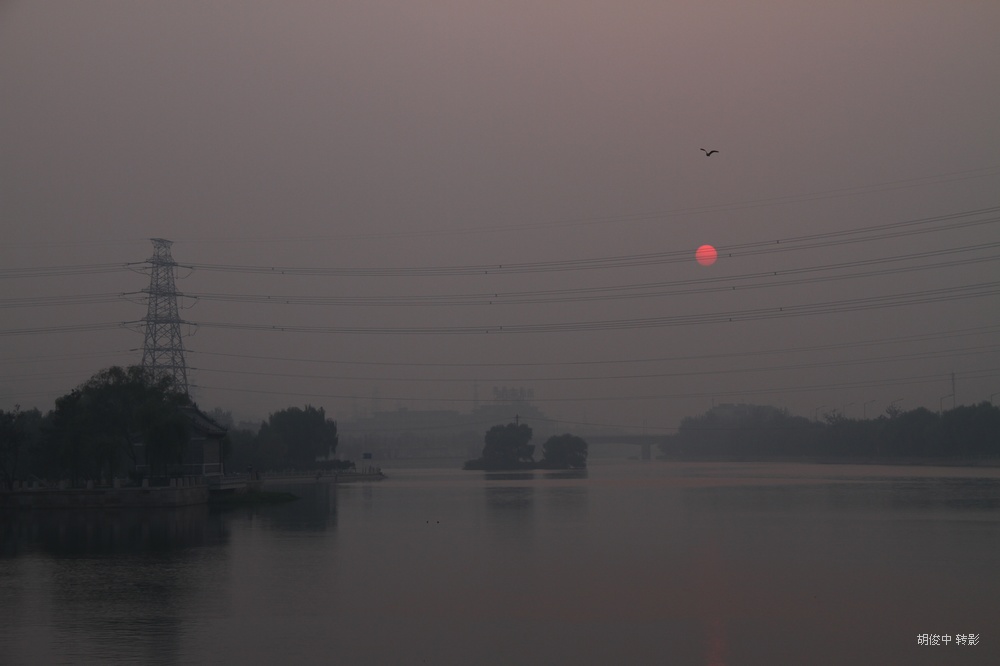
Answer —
(181, 492)
(184, 491)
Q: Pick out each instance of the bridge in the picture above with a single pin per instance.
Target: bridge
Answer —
(646, 442)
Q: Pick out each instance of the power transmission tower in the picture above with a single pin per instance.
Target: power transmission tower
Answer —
(162, 350)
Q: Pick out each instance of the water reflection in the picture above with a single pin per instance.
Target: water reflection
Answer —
(110, 585)
(506, 499)
(567, 504)
(916, 495)
(630, 564)
(315, 510)
(566, 474)
(715, 654)
(98, 532)
(531, 475)
(509, 476)
(711, 578)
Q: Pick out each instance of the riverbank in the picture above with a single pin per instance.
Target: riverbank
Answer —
(187, 491)
(105, 498)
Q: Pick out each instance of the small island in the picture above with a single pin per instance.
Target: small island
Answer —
(508, 447)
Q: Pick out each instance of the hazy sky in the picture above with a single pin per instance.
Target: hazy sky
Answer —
(854, 200)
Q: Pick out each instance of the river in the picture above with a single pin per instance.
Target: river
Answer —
(630, 563)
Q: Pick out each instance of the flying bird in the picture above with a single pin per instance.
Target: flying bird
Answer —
(708, 153)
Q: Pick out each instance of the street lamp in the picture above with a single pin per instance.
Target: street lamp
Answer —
(816, 412)
(941, 402)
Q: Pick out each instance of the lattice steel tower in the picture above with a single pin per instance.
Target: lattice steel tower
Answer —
(162, 350)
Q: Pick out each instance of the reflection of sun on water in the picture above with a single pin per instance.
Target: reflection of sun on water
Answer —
(716, 653)
(713, 590)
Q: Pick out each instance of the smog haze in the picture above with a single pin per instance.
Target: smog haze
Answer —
(378, 204)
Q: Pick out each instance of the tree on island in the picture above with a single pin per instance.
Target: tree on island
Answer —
(564, 452)
(506, 448)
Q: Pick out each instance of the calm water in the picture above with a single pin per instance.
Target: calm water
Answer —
(634, 563)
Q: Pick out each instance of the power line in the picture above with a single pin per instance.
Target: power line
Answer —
(836, 193)
(50, 271)
(953, 293)
(765, 280)
(896, 340)
(50, 301)
(960, 292)
(948, 353)
(70, 328)
(65, 357)
(988, 373)
(810, 241)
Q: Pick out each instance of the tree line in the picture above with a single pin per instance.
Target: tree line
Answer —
(97, 431)
(292, 438)
(122, 420)
(747, 432)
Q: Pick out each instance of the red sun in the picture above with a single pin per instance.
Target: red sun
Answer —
(706, 255)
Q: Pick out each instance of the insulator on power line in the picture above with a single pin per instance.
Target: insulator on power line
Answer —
(163, 350)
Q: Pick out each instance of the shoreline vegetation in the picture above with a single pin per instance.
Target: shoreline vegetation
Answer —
(967, 435)
(125, 429)
(126, 436)
(964, 436)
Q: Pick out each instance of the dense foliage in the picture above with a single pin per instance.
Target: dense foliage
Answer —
(506, 447)
(747, 432)
(122, 422)
(564, 452)
(111, 419)
(292, 438)
(17, 432)
(98, 431)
